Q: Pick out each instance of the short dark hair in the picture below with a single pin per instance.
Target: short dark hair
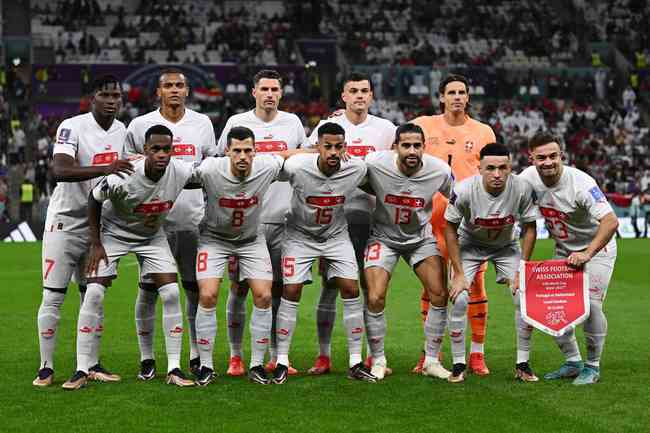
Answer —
(494, 149)
(102, 81)
(239, 133)
(450, 79)
(168, 71)
(267, 73)
(330, 128)
(158, 130)
(408, 128)
(543, 137)
(356, 76)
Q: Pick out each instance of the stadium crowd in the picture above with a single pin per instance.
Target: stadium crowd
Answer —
(605, 138)
(404, 45)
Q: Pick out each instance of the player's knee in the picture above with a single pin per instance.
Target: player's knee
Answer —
(94, 296)
(52, 298)
(291, 292)
(376, 302)
(349, 291)
(262, 300)
(461, 303)
(170, 295)
(208, 298)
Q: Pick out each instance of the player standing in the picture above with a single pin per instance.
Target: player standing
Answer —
(235, 186)
(316, 227)
(487, 207)
(364, 134)
(193, 140)
(583, 224)
(131, 220)
(403, 181)
(87, 146)
(456, 138)
(275, 131)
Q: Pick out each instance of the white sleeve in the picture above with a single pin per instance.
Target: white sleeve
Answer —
(363, 173)
(455, 209)
(313, 138)
(448, 186)
(67, 139)
(389, 133)
(528, 210)
(221, 144)
(288, 170)
(593, 200)
(129, 143)
(302, 137)
(209, 145)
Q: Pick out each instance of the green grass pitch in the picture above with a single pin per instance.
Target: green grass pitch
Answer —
(402, 402)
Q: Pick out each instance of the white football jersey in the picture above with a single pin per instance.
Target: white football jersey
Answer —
(135, 207)
(490, 221)
(193, 140)
(372, 135)
(404, 203)
(571, 208)
(234, 206)
(317, 201)
(284, 132)
(89, 144)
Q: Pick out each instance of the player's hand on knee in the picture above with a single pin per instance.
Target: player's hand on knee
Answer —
(458, 285)
(97, 254)
(578, 260)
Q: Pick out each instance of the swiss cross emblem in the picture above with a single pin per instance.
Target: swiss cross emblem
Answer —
(469, 145)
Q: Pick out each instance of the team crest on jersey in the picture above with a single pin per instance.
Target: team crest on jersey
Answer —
(108, 147)
(268, 136)
(469, 146)
(64, 134)
(177, 139)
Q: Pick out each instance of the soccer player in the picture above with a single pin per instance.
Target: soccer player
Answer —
(583, 224)
(403, 181)
(87, 146)
(456, 138)
(487, 208)
(274, 130)
(316, 227)
(364, 134)
(193, 140)
(131, 220)
(235, 186)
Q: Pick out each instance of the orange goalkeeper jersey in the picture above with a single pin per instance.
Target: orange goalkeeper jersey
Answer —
(458, 146)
